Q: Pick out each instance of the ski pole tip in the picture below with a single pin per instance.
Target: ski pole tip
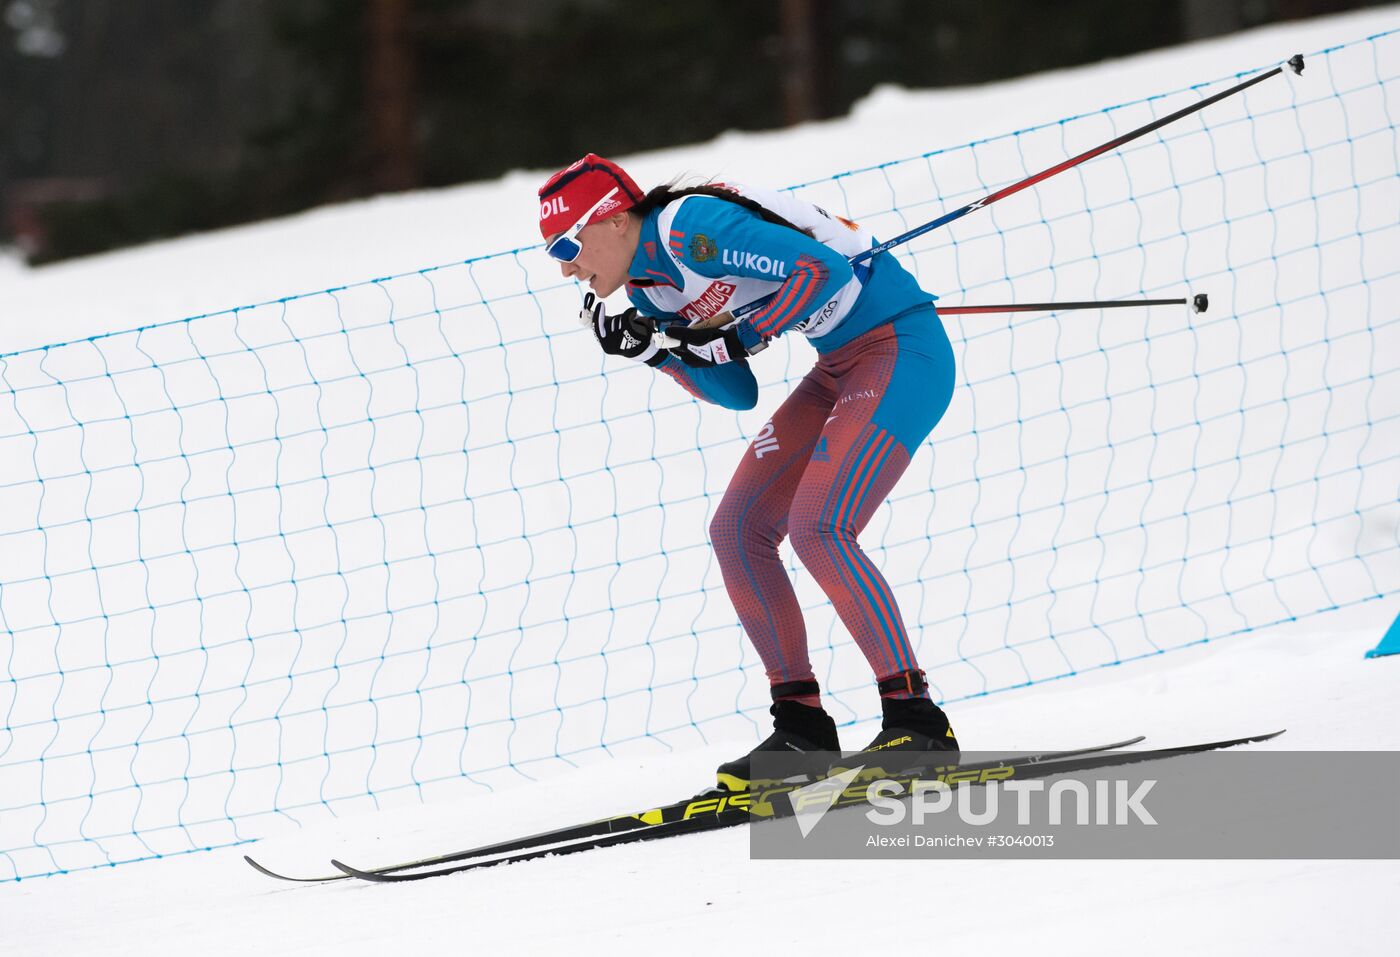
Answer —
(1295, 63)
(1200, 302)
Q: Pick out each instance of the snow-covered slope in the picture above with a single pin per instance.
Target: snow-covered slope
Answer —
(702, 894)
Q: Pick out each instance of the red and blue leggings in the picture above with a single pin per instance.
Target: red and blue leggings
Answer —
(816, 473)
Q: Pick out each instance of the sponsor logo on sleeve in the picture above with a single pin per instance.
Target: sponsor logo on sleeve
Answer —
(755, 263)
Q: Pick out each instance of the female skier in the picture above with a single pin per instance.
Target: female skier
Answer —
(831, 452)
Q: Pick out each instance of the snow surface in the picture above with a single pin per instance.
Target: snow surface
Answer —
(696, 894)
(701, 894)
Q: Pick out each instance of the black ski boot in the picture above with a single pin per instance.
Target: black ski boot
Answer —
(801, 742)
(915, 734)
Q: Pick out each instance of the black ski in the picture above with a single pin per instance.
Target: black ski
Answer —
(622, 824)
(735, 810)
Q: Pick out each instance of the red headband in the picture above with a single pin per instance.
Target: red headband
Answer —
(570, 192)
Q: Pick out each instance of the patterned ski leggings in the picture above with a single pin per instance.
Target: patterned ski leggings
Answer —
(817, 472)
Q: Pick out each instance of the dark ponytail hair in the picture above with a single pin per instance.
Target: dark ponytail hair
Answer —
(668, 192)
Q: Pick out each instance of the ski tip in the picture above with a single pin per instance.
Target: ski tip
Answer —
(262, 870)
(296, 880)
(349, 871)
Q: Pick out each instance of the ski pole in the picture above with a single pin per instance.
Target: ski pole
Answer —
(1199, 303)
(1295, 63)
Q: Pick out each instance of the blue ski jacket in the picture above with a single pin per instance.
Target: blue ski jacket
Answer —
(700, 255)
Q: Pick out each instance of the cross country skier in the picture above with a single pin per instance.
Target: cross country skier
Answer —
(831, 452)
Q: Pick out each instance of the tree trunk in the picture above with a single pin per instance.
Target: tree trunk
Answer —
(809, 61)
(390, 97)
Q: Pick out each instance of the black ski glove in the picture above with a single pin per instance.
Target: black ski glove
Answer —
(627, 334)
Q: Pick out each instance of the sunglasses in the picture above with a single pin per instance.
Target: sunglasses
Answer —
(566, 246)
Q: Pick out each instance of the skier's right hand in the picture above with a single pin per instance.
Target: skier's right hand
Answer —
(627, 334)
